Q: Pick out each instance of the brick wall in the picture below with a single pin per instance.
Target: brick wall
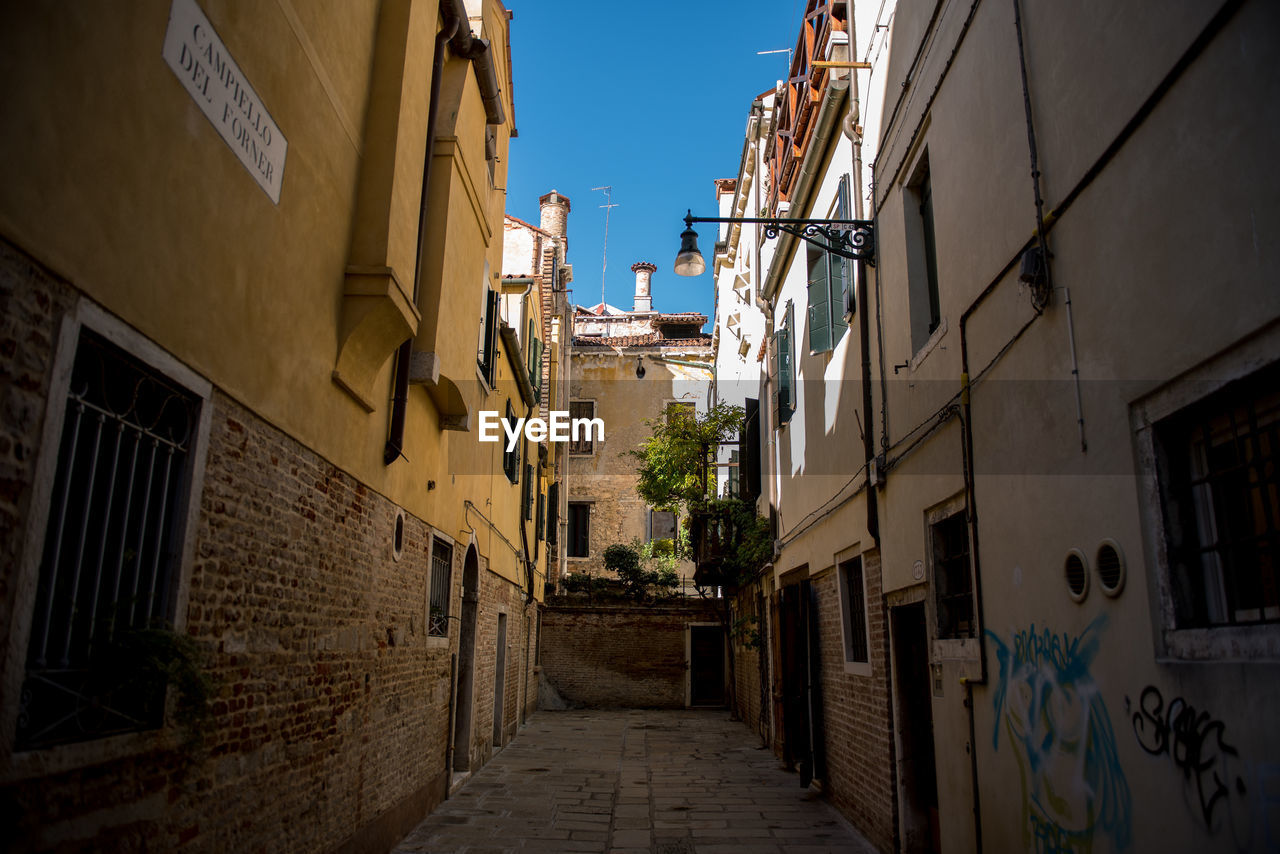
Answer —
(859, 738)
(620, 656)
(329, 719)
(32, 304)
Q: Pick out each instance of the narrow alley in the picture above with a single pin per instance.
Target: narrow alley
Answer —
(667, 782)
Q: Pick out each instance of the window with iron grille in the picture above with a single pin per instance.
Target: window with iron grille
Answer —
(108, 579)
(952, 580)
(441, 585)
(1221, 495)
(855, 612)
(579, 544)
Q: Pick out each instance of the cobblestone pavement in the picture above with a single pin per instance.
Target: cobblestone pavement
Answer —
(634, 782)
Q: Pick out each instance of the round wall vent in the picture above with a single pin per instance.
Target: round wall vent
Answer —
(1110, 564)
(1076, 570)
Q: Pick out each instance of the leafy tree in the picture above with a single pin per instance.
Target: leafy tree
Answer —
(675, 471)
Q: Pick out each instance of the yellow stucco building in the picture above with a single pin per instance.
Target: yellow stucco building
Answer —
(250, 271)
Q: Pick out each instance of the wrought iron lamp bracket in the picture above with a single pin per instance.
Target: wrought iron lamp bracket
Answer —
(848, 238)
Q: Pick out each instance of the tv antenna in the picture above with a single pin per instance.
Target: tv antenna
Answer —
(608, 206)
(785, 50)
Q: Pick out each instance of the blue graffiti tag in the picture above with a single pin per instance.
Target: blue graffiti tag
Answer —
(1055, 717)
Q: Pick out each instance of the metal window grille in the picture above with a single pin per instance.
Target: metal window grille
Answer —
(856, 643)
(441, 584)
(952, 579)
(111, 551)
(1223, 504)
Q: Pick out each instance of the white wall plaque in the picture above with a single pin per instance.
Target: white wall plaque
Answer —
(211, 77)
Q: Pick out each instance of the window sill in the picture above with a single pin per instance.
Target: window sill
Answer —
(1223, 643)
(928, 347)
(60, 759)
(857, 668)
(437, 642)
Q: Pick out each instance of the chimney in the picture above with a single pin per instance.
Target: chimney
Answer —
(643, 270)
(555, 218)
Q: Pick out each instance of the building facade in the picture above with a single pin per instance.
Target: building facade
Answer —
(241, 441)
(627, 367)
(1042, 593)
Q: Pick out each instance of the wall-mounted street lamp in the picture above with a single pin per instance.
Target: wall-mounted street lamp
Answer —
(848, 238)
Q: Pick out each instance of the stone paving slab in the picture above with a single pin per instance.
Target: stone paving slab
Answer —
(634, 782)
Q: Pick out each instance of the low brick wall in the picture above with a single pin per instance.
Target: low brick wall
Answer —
(620, 656)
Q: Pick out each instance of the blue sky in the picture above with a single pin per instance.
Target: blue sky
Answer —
(651, 99)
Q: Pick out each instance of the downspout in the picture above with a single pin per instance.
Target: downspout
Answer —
(864, 331)
(394, 447)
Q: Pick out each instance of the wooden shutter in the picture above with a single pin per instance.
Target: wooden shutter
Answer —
(819, 265)
(843, 284)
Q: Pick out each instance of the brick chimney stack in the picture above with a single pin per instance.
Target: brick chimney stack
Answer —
(555, 217)
(643, 270)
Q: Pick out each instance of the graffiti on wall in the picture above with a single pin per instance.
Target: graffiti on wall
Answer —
(1212, 772)
(1047, 702)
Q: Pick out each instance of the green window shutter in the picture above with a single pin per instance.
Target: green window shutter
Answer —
(819, 299)
(535, 369)
(775, 376)
(487, 359)
(786, 369)
(843, 303)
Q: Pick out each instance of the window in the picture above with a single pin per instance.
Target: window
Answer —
(827, 276)
(952, 581)
(486, 353)
(734, 480)
(540, 519)
(922, 256)
(581, 443)
(855, 612)
(749, 473)
(113, 548)
(781, 367)
(1217, 462)
(511, 458)
(579, 544)
(553, 515)
(441, 586)
(662, 525)
(526, 493)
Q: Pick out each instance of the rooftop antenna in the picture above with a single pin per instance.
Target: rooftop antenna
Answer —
(785, 50)
(608, 206)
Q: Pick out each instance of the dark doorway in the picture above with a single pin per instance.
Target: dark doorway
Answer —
(706, 666)
(466, 662)
(500, 680)
(914, 705)
(801, 670)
